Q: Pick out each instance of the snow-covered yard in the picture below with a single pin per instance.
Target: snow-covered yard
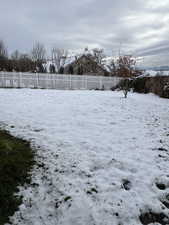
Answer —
(102, 159)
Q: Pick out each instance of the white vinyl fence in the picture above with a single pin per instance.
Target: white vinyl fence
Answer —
(56, 81)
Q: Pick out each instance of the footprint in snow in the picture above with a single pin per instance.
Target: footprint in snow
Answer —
(126, 184)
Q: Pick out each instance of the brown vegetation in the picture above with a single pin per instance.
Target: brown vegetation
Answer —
(158, 85)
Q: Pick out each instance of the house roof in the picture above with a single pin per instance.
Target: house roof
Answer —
(73, 59)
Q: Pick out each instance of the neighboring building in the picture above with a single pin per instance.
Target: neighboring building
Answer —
(85, 64)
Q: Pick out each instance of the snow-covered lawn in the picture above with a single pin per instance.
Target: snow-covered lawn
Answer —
(102, 159)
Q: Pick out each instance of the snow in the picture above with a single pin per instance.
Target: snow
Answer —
(88, 144)
(70, 59)
(76, 54)
(153, 73)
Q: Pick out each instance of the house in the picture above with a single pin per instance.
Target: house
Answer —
(85, 64)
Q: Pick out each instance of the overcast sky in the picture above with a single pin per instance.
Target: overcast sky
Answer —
(140, 27)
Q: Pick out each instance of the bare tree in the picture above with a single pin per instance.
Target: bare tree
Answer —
(15, 55)
(3, 50)
(39, 56)
(3, 56)
(98, 54)
(59, 57)
(126, 69)
(39, 52)
(112, 66)
(126, 65)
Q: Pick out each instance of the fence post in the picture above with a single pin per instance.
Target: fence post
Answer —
(21, 84)
(70, 82)
(55, 80)
(37, 80)
(86, 83)
(50, 81)
(19, 80)
(2, 79)
(101, 82)
(12, 80)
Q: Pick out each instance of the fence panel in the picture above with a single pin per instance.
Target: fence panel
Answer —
(56, 81)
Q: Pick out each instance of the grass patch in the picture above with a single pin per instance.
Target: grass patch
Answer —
(16, 161)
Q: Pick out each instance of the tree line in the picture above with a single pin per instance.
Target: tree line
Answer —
(33, 62)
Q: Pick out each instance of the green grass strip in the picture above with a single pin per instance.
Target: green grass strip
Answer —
(16, 162)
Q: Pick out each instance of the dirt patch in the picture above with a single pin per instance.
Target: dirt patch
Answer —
(161, 186)
(126, 184)
(151, 217)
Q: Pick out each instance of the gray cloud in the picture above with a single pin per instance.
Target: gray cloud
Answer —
(140, 26)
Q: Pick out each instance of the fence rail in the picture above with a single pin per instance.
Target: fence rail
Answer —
(56, 81)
